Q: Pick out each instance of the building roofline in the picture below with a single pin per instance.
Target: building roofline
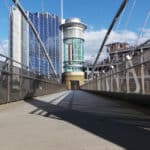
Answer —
(73, 22)
(116, 43)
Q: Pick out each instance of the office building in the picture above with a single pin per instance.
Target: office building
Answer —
(47, 26)
(25, 47)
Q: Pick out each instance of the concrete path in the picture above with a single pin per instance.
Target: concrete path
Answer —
(73, 120)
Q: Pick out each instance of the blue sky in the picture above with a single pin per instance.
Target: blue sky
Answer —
(97, 14)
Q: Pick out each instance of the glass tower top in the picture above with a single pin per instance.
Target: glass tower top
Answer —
(73, 31)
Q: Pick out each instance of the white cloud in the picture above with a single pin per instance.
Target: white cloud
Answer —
(4, 48)
(123, 36)
(144, 35)
(93, 40)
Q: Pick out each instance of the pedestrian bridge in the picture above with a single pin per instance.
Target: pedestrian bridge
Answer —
(43, 115)
(71, 120)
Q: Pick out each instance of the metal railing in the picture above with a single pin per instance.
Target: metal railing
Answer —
(128, 76)
(18, 83)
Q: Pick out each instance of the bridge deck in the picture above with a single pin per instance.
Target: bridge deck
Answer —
(73, 120)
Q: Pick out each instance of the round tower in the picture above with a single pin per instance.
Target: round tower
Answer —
(73, 40)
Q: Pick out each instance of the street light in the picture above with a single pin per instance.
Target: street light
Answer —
(128, 57)
(103, 71)
(112, 67)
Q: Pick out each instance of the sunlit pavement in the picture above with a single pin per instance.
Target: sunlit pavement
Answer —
(73, 120)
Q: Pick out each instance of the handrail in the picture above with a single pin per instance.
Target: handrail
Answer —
(9, 58)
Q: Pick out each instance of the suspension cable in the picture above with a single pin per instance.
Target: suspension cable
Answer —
(120, 19)
(18, 5)
(119, 22)
(140, 35)
(144, 25)
(130, 13)
(128, 20)
(2, 47)
(42, 5)
(6, 4)
(7, 7)
(129, 16)
(107, 34)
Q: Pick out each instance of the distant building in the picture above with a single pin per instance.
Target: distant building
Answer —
(116, 49)
(24, 46)
(117, 46)
(118, 53)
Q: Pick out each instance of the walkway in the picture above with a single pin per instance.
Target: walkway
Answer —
(73, 120)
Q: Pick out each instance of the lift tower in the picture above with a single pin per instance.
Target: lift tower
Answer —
(73, 40)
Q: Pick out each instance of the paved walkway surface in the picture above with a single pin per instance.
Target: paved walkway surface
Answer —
(73, 120)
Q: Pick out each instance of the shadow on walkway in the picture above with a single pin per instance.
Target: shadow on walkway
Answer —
(129, 136)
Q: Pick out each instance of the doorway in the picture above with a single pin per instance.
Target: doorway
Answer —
(74, 85)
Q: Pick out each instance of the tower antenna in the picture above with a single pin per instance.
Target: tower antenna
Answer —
(42, 5)
(62, 10)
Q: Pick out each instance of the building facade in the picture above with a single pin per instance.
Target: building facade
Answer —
(25, 47)
(73, 33)
(15, 35)
(47, 26)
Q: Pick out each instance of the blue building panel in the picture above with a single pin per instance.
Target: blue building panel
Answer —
(47, 26)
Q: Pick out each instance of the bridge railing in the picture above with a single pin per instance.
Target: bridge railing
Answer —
(127, 76)
(16, 82)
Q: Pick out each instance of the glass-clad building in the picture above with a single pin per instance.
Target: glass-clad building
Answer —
(73, 31)
(73, 55)
(25, 47)
(47, 26)
(73, 40)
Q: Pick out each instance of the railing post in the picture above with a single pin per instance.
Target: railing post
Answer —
(8, 81)
(142, 72)
(21, 80)
(107, 82)
(100, 79)
(127, 77)
(117, 79)
(117, 75)
(110, 75)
